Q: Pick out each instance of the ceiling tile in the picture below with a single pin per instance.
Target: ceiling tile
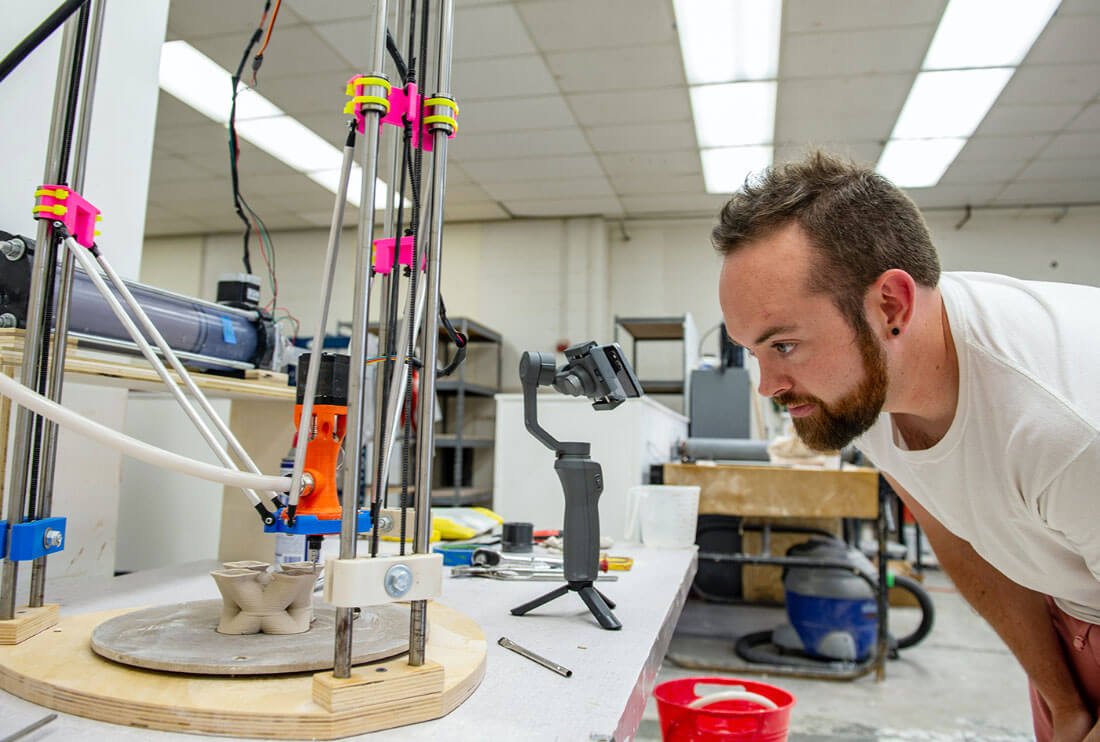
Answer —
(964, 172)
(490, 31)
(1035, 84)
(307, 94)
(632, 106)
(642, 185)
(947, 196)
(455, 173)
(851, 53)
(514, 171)
(199, 139)
(633, 68)
(814, 15)
(1070, 191)
(1079, 7)
(1002, 120)
(316, 11)
(1067, 38)
(839, 108)
(169, 225)
(558, 25)
(503, 77)
(567, 141)
(353, 40)
(864, 153)
(168, 168)
(703, 203)
(551, 189)
(1076, 168)
(197, 19)
(1012, 148)
(171, 113)
(653, 164)
(253, 162)
(474, 212)
(642, 137)
(575, 206)
(1075, 144)
(1087, 120)
(464, 193)
(511, 114)
(291, 50)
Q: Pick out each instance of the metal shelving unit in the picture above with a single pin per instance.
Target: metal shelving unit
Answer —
(453, 434)
(663, 329)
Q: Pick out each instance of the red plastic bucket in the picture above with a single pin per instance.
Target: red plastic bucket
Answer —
(722, 721)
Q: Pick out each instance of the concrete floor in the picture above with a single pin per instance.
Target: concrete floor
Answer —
(960, 684)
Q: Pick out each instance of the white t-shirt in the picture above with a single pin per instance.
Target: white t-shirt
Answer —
(1018, 473)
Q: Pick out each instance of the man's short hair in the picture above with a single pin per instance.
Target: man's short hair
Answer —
(860, 223)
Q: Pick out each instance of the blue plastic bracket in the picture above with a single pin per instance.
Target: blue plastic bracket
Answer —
(311, 525)
(3, 539)
(36, 538)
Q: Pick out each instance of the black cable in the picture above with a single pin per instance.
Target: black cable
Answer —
(398, 60)
(233, 148)
(37, 36)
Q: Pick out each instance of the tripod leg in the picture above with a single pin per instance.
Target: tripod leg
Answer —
(599, 608)
(533, 604)
(609, 601)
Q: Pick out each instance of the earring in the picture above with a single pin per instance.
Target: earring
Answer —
(895, 331)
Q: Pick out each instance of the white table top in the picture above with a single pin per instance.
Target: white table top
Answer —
(613, 671)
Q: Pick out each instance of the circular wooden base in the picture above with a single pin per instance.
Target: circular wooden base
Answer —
(59, 670)
(183, 638)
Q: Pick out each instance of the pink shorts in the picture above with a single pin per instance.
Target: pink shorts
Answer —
(1081, 644)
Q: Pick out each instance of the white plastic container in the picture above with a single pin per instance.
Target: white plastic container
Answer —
(662, 516)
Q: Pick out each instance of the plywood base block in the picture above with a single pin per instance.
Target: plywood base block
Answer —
(58, 669)
(27, 622)
(377, 685)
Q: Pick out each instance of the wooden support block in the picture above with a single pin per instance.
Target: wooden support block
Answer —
(28, 622)
(373, 687)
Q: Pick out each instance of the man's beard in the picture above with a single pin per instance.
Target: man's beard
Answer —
(832, 427)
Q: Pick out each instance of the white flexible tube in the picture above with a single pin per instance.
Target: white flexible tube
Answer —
(733, 695)
(35, 402)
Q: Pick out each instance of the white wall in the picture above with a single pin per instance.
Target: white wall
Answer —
(545, 281)
(119, 155)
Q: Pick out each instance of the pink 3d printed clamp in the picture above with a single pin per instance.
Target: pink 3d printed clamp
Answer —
(62, 204)
(383, 254)
(397, 104)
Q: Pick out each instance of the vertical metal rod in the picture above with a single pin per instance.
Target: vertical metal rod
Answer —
(64, 298)
(357, 376)
(327, 276)
(881, 597)
(44, 257)
(379, 482)
(426, 444)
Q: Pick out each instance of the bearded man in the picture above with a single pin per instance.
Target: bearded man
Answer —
(977, 395)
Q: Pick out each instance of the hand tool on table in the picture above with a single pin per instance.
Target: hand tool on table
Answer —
(509, 644)
(526, 574)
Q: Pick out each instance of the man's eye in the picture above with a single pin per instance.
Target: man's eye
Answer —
(784, 348)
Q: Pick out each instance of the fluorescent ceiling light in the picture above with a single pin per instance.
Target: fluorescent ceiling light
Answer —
(725, 169)
(987, 33)
(729, 40)
(918, 163)
(288, 140)
(198, 81)
(734, 114)
(949, 104)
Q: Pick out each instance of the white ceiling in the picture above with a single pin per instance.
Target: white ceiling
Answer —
(580, 107)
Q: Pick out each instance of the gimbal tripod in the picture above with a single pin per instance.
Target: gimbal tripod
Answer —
(602, 374)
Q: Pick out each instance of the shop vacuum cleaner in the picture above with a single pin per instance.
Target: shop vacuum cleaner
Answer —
(832, 612)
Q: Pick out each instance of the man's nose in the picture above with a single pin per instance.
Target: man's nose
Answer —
(772, 383)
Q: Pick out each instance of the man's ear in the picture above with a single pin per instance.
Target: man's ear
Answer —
(889, 303)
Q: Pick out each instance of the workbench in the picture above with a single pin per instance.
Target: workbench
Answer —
(613, 671)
